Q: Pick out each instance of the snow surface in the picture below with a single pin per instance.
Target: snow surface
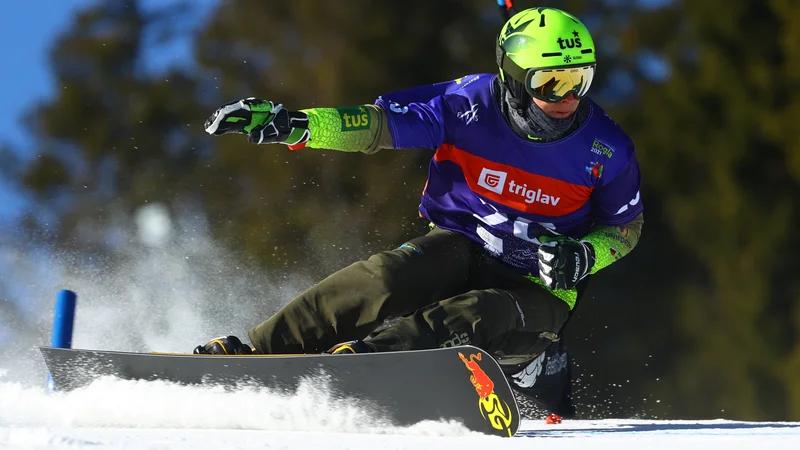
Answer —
(156, 302)
(117, 414)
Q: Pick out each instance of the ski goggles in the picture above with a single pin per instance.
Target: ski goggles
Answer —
(553, 85)
(550, 84)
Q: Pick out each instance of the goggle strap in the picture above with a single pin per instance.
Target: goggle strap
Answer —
(510, 67)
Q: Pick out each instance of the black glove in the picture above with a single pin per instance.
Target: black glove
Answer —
(262, 121)
(563, 262)
(224, 345)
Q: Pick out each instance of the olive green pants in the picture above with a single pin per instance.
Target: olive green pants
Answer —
(444, 288)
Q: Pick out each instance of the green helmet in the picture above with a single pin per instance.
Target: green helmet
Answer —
(541, 38)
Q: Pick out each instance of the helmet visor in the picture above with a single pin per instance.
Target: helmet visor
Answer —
(553, 85)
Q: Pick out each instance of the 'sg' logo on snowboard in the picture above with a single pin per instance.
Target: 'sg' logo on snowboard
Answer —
(496, 411)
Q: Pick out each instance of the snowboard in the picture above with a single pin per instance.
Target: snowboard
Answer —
(457, 383)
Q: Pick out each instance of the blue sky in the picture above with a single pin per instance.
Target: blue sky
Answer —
(27, 32)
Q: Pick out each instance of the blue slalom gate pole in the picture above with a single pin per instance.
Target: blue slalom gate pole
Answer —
(63, 321)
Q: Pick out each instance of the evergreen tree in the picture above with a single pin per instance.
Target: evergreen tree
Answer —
(716, 146)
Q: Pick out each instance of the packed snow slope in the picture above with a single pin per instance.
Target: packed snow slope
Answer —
(117, 414)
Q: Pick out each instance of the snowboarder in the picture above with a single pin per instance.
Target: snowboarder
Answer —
(531, 189)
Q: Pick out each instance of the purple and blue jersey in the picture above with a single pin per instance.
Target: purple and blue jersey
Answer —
(504, 191)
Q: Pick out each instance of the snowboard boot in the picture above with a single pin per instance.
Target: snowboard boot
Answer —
(350, 348)
(224, 345)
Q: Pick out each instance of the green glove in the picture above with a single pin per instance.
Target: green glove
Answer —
(263, 121)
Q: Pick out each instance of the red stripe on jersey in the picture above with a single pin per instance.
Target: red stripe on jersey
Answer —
(516, 188)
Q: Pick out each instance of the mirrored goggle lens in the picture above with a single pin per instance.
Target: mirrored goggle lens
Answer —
(552, 85)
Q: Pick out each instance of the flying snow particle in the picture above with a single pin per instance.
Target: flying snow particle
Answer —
(154, 225)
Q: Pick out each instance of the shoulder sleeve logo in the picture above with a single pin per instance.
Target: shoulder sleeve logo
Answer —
(396, 108)
(470, 115)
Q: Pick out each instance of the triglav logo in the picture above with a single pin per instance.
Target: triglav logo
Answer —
(493, 180)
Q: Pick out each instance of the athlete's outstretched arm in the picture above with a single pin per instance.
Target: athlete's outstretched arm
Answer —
(415, 125)
(363, 128)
